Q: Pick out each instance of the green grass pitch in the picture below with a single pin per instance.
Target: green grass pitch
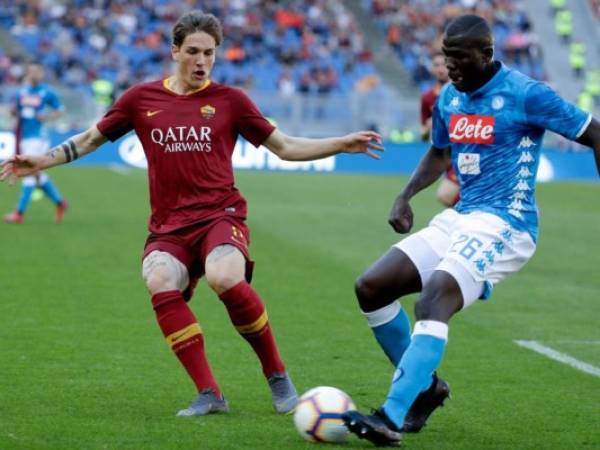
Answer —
(83, 364)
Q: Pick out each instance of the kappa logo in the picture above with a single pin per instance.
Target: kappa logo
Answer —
(455, 102)
(524, 172)
(153, 113)
(525, 158)
(208, 111)
(522, 185)
(526, 142)
(472, 129)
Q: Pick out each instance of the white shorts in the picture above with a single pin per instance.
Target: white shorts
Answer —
(34, 146)
(478, 249)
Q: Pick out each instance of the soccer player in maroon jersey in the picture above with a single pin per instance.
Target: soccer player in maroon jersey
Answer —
(188, 127)
(447, 192)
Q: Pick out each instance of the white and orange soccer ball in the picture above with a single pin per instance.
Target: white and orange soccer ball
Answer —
(318, 416)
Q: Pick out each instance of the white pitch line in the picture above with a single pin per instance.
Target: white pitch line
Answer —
(560, 357)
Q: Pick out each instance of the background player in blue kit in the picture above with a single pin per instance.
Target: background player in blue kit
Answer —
(490, 121)
(35, 104)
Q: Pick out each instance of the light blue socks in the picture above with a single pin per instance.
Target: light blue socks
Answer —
(51, 191)
(414, 372)
(25, 198)
(391, 328)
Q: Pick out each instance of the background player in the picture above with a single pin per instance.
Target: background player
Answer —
(188, 127)
(447, 192)
(493, 120)
(35, 104)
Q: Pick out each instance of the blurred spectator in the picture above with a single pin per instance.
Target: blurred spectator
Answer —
(127, 41)
(595, 4)
(414, 28)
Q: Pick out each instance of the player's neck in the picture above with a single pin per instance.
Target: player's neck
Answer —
(178, 86)
(487, 74)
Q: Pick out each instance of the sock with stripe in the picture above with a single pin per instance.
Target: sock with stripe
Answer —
(184, 336)
(248, 315)
(50, 190)
(25, 198)
(391, 327)
(413, 374)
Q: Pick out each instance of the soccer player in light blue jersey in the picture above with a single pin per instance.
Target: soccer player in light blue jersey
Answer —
(489, 121)
(36, 103)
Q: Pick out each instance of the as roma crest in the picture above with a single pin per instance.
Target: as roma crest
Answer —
(208, 111)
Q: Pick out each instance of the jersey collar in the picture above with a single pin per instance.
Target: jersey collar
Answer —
(167, 86)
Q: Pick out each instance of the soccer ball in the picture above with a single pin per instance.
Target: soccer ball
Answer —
(318, 416)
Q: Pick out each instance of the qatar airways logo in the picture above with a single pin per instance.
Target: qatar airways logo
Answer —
(472, 129)
(183, 139)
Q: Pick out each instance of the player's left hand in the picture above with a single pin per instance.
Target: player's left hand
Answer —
(363, 142)
(401, 215)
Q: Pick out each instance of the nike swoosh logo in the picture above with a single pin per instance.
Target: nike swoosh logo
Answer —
(175, 338)
(153, 113)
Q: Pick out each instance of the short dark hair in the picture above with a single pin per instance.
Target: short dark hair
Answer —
(471, 26)
(196, 21)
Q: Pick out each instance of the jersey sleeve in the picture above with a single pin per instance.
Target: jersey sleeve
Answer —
(53, 101)
(439, 130)
(118, 120)
(250, 123)
(544, 108)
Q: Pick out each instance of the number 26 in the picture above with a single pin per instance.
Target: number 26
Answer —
(469, 249)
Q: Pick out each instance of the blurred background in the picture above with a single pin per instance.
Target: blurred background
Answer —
(316, 67)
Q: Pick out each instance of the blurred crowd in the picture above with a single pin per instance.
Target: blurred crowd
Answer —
(414, 29)
(596, 7)
(288, 45)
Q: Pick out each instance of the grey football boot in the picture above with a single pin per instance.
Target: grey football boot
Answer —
(206, 403)
(283, 392)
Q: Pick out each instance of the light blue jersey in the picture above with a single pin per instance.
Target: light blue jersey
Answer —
(30, 101)
(495, 135)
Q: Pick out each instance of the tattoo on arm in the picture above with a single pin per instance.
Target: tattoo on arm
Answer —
(70, 150)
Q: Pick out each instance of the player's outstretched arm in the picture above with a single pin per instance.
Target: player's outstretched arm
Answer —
(430, 168)
(292, 148)
(591, 138)
(75, 147)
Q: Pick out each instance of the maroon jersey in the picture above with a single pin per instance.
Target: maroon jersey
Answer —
(428, 100)
(188, 141)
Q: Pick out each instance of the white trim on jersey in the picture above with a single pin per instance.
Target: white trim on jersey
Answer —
(584, 127)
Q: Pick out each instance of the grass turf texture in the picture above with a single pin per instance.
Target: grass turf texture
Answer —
(83, 364)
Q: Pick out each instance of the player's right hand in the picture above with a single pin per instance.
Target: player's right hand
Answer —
(19, 166)
(401, 216)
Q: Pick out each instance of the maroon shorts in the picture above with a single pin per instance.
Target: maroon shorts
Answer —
(192, 244)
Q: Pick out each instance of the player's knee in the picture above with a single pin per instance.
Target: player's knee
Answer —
(161, 273)
(366, 292)
(221, 281)
(446, 197)
(160, 281)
